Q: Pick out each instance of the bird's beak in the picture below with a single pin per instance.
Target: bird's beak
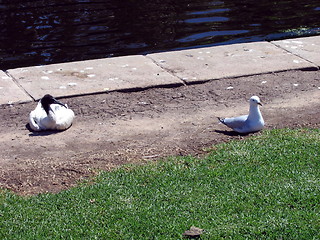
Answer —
(260, 103)
(58, 102)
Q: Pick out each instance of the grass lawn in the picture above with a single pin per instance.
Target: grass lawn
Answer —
(264, 187)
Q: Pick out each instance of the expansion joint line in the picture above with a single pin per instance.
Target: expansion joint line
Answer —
(19, 85)
(316, 67)
(166, 70)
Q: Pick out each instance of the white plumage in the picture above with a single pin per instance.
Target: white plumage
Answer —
(50, 114)
(247, 123)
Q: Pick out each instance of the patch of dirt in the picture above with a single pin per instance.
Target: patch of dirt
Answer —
(134, 127)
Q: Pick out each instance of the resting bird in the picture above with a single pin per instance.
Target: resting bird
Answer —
(50, 114)
(247, 123)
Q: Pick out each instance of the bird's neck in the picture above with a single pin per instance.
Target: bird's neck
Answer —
(254, 112)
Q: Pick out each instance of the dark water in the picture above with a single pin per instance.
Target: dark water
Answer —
(34, 32)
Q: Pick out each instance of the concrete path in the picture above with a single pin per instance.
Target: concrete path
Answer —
(160, 69)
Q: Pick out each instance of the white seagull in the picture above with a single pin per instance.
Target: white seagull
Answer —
(247, 123)
(50, 114)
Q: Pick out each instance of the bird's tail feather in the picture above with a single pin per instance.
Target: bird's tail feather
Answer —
(33, 124)
(221, 119)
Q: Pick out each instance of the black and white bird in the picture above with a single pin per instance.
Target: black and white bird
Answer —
(50, 114)
(247, 123)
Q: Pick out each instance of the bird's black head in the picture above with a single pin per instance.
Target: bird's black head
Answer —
(47, 100)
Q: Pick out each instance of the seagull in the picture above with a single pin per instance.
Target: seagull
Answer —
(247, 123)
(50, 114)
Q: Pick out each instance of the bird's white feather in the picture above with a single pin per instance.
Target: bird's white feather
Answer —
(59, 118)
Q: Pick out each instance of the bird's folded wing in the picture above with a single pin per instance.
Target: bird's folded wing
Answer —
(64, 118)
(235, 122)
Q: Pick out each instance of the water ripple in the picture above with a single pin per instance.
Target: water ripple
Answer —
(34, 32)
(210, 11)
(212, 34)
(207, 19)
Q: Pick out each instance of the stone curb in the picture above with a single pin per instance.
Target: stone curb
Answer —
(158, 70)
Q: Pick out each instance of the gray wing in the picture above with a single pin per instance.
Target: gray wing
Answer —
(235, 122)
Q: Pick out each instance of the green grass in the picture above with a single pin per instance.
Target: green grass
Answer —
(264, 187)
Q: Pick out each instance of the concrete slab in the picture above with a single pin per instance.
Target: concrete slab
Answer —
(228, 61)
(10, 92)
(93, 76)
(307, 48)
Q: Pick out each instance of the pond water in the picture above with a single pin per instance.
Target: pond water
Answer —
(36, 32)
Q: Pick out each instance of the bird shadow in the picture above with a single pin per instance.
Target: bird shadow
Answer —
(42, 133)
(231, 133)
